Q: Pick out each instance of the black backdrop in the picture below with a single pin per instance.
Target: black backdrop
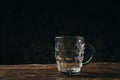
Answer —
(29, 27)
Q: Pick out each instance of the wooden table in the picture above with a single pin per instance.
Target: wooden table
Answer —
(92, 71)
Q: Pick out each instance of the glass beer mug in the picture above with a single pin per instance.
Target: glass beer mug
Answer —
(69, 54)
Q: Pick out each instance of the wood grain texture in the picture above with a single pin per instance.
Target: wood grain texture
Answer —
(92, 71)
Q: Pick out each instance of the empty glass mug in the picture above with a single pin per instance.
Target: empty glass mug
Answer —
(69, 54)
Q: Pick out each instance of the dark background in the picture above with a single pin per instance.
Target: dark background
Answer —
(28, 28)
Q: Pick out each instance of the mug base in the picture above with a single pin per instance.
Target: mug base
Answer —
(70, 73)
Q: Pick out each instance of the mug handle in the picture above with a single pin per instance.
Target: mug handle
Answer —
(91, 55)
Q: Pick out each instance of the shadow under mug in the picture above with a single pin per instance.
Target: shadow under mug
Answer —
(69, 54)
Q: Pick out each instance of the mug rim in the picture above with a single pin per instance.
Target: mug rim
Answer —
(68, 36)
